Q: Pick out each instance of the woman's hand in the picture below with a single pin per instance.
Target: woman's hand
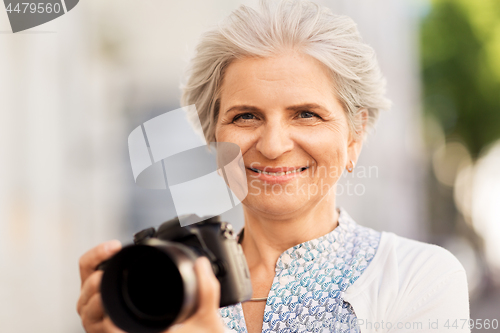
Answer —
(206, 318)
(89, 304)
(91, 311)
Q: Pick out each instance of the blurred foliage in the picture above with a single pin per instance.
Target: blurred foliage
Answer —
(460, 55)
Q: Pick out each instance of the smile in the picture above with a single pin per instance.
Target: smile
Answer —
(276, 174)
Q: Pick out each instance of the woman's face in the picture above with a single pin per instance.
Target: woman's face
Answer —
(283, 114)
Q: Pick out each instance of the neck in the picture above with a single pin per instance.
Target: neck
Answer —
(266, 236)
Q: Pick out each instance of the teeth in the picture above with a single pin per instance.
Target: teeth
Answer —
(277, 173)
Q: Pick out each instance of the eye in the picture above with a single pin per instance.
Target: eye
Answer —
(244, 116)
(307, 114)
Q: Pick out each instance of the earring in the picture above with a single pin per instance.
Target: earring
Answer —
(351, 168)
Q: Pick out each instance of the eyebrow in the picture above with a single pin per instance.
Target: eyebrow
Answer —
(298, 107)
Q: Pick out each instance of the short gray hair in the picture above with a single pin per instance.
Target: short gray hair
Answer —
(287, 25)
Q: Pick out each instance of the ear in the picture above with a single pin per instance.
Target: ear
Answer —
(356, 139)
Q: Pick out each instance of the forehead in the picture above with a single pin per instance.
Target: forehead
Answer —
(279, 78)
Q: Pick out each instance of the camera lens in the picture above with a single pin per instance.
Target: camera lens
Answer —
(147, 288)
(152, 285)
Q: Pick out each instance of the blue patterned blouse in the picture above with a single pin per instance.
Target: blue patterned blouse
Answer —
(310, 281)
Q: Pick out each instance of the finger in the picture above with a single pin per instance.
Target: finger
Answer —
(92, 258)
(95, 328)
(102, 326)
(93, 311)
(209, 287)
(110, 327)
(89, 288)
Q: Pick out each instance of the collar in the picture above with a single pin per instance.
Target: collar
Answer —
(315, 248)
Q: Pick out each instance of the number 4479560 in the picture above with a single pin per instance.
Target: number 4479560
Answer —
(34, 7)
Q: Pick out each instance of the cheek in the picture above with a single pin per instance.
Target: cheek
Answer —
(327, 148)
(244, 139)
(322, 141)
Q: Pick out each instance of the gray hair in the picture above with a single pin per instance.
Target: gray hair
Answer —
(287, 25)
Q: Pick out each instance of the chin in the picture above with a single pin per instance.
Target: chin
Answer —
(274, 204)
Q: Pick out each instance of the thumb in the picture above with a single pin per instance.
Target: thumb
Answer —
(209, 287)
(206, 318)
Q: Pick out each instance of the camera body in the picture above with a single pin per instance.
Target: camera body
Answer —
(151, 285)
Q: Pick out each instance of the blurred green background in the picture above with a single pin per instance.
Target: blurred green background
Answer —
(460, 62)
(460, 71)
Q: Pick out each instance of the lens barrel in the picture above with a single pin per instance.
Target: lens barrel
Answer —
(147, 288)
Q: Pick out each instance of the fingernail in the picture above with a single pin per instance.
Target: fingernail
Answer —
(113, 245)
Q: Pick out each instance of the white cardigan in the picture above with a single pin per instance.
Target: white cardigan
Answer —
(411, 286)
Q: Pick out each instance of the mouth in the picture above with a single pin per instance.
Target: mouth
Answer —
(279, 171)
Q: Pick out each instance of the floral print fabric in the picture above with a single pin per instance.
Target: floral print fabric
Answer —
(310, 281)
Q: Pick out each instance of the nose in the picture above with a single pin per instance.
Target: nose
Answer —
(274, 140)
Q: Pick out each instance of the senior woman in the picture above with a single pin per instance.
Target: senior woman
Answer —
(297, 90)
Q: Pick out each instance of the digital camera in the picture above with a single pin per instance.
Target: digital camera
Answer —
(151, 284)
